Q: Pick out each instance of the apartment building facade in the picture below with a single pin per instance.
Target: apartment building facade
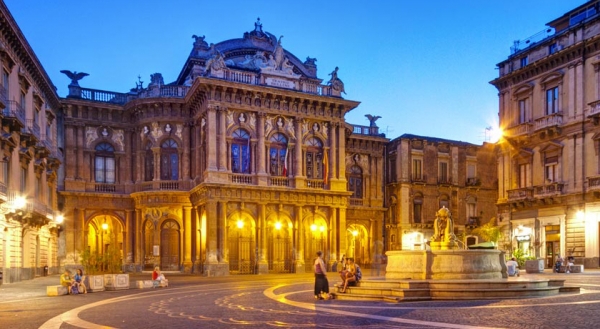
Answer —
(548, 162)
(29, 220)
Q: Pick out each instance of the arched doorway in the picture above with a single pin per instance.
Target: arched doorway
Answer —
(105, 238)
(315, 239)
(279, 246)
(169, 246)
(357, 240)
(242, 246)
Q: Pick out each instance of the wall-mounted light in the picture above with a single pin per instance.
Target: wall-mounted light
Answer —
(104, 226)
(313, 227)
(277, 225)
(59, 219)
(240, 223)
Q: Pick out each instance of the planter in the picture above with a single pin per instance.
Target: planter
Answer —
(534, 266)
(94, 283)
(116, 281)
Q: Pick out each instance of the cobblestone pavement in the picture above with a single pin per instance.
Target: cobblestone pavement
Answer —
(284, 301)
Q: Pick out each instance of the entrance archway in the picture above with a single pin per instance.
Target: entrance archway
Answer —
(357, 240)
(315, 239)
(105, 238)
(279, 245)
(169, 246)
(242, 246)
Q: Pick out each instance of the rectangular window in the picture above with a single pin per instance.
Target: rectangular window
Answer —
(524, 61)
(417, 207)
(5, 82)
(552, 101)
(523, 111)
(443, 174)
(392, 170)
(524, 170)
(471, 171)
(23, 180)
(551, 169)
(552, 48)
(417, 170)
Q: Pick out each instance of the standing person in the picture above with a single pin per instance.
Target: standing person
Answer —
(350, 274)
(66, 281)
(78, 281)
(321, 283)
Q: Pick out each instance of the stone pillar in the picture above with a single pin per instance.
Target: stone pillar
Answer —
(197, 257)
(343, 231)
(70, 168)
(300, 240)
(261, 156)
(185, 161)
(128, 237)
(333, 129)
(223, 234)
(222, 140)
(156, 154)
(211, 133)
(334, 229)
(340, 158)
(212, 266)
(187, 238)
(298, 168)
(139, 241)
(80, 168)
(263, 265)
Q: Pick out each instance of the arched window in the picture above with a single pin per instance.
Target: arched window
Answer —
(240, 152)
(278, 154)
(314, 158)
(355, 184)
(104, 163)
(149, 163)
(169, 160)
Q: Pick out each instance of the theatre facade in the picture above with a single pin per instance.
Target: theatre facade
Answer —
(243, 164)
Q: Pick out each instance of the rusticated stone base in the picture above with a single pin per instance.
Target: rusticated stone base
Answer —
(443, 264)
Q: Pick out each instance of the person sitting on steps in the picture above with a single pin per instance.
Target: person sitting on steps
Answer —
(350, 275)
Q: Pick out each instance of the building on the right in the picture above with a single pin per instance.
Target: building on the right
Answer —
(549, 155)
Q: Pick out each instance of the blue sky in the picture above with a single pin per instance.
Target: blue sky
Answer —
(423, 66)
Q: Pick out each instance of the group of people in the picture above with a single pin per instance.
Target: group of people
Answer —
(560, 262)
(349, 272)
(74, 284)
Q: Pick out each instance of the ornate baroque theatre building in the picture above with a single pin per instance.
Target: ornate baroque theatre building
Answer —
(243, 164)
(549, 160)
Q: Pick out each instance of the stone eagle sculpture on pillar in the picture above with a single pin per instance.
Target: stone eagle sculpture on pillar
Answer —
(74, 76)
(372, 119)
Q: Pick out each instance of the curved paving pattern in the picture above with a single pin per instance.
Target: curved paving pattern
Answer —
(263, 304)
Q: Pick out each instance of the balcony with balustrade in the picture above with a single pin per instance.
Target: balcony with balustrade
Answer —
(525, 193)
(522, 129)
(279, 181)
(554, 120)
(551, 189)
(594, 183)
(13, 116)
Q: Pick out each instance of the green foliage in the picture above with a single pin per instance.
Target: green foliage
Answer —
(489, 232)
(108, 263)
(91, 262)
(521, 257)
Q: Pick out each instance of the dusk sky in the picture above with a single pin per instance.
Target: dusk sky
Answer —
(423, 66)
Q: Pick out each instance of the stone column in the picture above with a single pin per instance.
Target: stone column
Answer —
(197, 259)
(298, 168)
(334, 229)
(139, 242)
(156, 153)
(185, 161)
(129, 236)
(212, 267)
(263, 266)
(261, 156)
(300, 240)
(333, 129)
(342, 237)
(223, 234)
(80, 168)
(70, 168)
(222, 139)
(211, 133)
(187, 247)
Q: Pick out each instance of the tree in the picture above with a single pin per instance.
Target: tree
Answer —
(489, 232)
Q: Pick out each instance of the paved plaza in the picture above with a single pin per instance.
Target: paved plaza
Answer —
(284, 301)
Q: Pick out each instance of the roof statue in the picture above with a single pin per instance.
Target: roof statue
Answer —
(74, 76)
(199, 42)
(279, 55)
(335, 82)
(258, 25)
(372, 120)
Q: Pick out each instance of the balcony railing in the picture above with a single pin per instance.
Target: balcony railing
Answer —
(473, 181)
(242, 179)
(33, 127)
(520, 194)
(279, 181)
(3, 95)
(594, 183)
(594, 108)
(521, 129)
(315, 183)
(551, 120)
(14, 110)
(163, 186)
(356, 202)
(548, 189)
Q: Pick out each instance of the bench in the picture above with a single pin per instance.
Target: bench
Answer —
(58, 290)
(143, 284)
(571, 268)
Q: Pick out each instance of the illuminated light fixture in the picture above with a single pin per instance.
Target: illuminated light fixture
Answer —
(20, 202)
(278, 226)
(313, 227)
(240, 223)
(322, 228)
(60, 219)
(104, 226)
(355, 232)
(580, 215)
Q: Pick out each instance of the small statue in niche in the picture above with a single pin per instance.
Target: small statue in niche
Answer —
(242, 118)
(279, 122)
(168, 128)
(316, 127)
(104, 132)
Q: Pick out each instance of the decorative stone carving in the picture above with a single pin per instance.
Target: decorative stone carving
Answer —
(289, 127)
(252, 121)
(118, 138)
(230, 121)
(316, 128)
(268, 125)
(325, 129)
(335, 82)
(91, 134)
(104, 132)
(168, 128)
(304, 127)
(156, 131)
(144, 132)
(179, 131)
(242, 118)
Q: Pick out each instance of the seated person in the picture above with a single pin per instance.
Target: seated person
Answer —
(66, 281)
(513, 267)
(343, 268)
(570, 261)
(350, 275)
(159, 278)
(78, 281)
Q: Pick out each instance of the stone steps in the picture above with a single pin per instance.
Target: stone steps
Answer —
(419, 290)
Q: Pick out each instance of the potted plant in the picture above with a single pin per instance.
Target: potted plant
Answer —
(114, 279)
(91, 262)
